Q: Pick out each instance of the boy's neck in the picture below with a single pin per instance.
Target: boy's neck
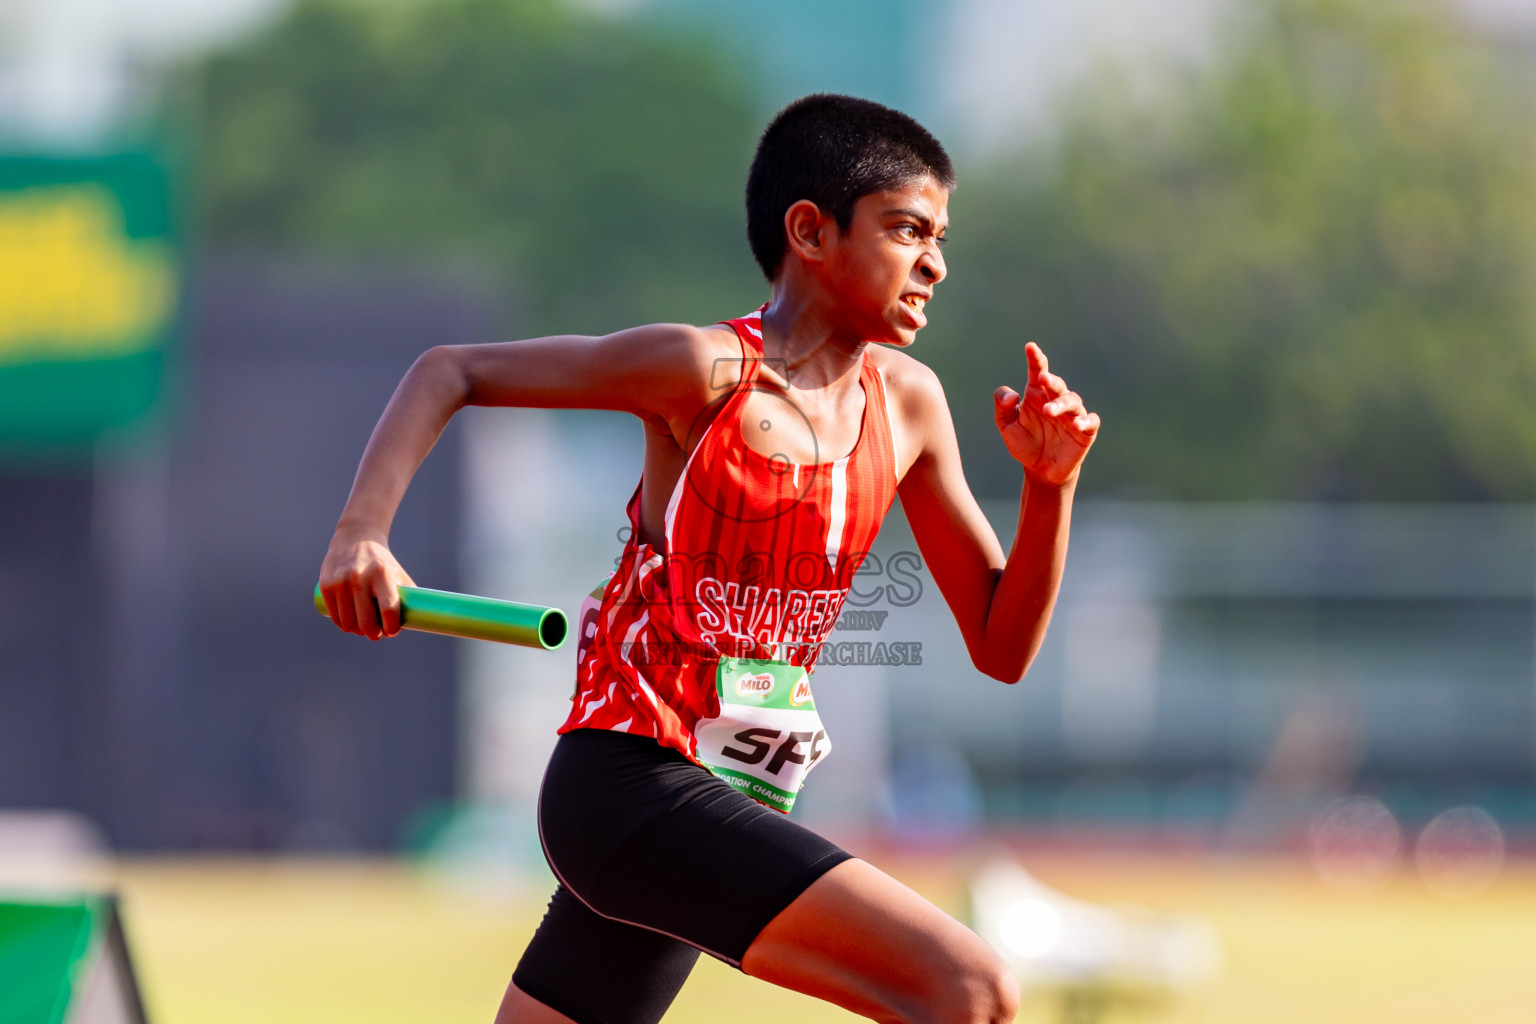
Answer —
(800, 329)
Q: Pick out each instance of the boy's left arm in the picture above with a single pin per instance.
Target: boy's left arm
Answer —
(1001, 604)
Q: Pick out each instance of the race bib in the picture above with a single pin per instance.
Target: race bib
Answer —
(767, 736)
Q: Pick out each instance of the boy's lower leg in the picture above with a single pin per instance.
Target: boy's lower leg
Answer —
(862, 940)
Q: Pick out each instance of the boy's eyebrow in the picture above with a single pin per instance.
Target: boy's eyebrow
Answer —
(917, 215)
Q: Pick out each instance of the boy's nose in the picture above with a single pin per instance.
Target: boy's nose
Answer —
(932, 266)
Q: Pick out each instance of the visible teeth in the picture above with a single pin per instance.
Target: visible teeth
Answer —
(916, 302)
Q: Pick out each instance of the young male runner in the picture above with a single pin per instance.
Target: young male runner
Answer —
(774, 444)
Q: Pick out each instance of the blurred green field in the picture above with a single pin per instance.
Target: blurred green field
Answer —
(335, 941)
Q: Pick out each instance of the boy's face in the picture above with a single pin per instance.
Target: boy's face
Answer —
(883, 269)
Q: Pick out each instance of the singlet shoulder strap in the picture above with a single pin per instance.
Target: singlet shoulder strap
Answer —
(749, 340)
(882, 419)
(717, 415)
(749, 336)
(749, 329)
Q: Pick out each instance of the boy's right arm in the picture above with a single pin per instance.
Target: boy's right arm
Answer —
(660, 372)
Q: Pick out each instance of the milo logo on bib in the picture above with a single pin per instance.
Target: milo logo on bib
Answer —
(767, 736)
(758, 685)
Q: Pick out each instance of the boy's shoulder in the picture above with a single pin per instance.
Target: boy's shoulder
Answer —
(682, 337)
(907, 380)
(914, 395)
(681, 348)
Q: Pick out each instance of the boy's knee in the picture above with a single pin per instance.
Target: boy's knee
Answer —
(985, 991)
(1005, 993)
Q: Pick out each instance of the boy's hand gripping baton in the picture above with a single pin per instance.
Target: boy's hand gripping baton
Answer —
(478, 618)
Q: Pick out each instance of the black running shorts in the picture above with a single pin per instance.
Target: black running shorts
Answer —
(656, 859)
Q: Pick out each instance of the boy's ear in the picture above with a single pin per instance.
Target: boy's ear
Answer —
(805, 227)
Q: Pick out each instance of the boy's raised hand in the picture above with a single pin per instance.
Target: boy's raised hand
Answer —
(1047, 428)
(359, 580)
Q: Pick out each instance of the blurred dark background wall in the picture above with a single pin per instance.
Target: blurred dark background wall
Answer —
(164, 670)
(1292, 272)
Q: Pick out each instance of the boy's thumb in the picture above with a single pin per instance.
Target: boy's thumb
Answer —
(1004, 401)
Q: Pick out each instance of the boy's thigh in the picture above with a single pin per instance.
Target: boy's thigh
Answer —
(861, 939)
(593, 970)
(518, 1007)
(642, 835)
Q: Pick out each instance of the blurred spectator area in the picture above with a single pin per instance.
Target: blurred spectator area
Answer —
(1202, 653)
(161, 666)
(1259, 245)
(1209, 667)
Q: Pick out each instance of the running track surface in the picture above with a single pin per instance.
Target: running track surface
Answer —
(334, 941)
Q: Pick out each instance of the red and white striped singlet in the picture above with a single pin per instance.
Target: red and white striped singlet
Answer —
(760, 554)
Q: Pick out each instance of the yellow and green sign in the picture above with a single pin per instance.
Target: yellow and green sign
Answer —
(64, 960)
(90, 289)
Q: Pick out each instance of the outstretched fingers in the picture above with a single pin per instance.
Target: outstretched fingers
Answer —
(1054, 399)
(1047, 429)
(1038, 364)
(1043, 384)
(1069, 415)
(1066, 405)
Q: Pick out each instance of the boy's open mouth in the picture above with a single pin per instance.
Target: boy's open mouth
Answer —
(917, 302)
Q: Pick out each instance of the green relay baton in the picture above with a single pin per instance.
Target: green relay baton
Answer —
(478, 618)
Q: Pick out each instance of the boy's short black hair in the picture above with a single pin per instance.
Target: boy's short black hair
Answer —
(832, 150)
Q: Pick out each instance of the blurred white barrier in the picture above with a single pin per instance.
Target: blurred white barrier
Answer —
(1091, 956)
(51, 851)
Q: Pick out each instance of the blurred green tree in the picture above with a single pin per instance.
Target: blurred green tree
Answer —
(1306, 273)
(591, 168)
